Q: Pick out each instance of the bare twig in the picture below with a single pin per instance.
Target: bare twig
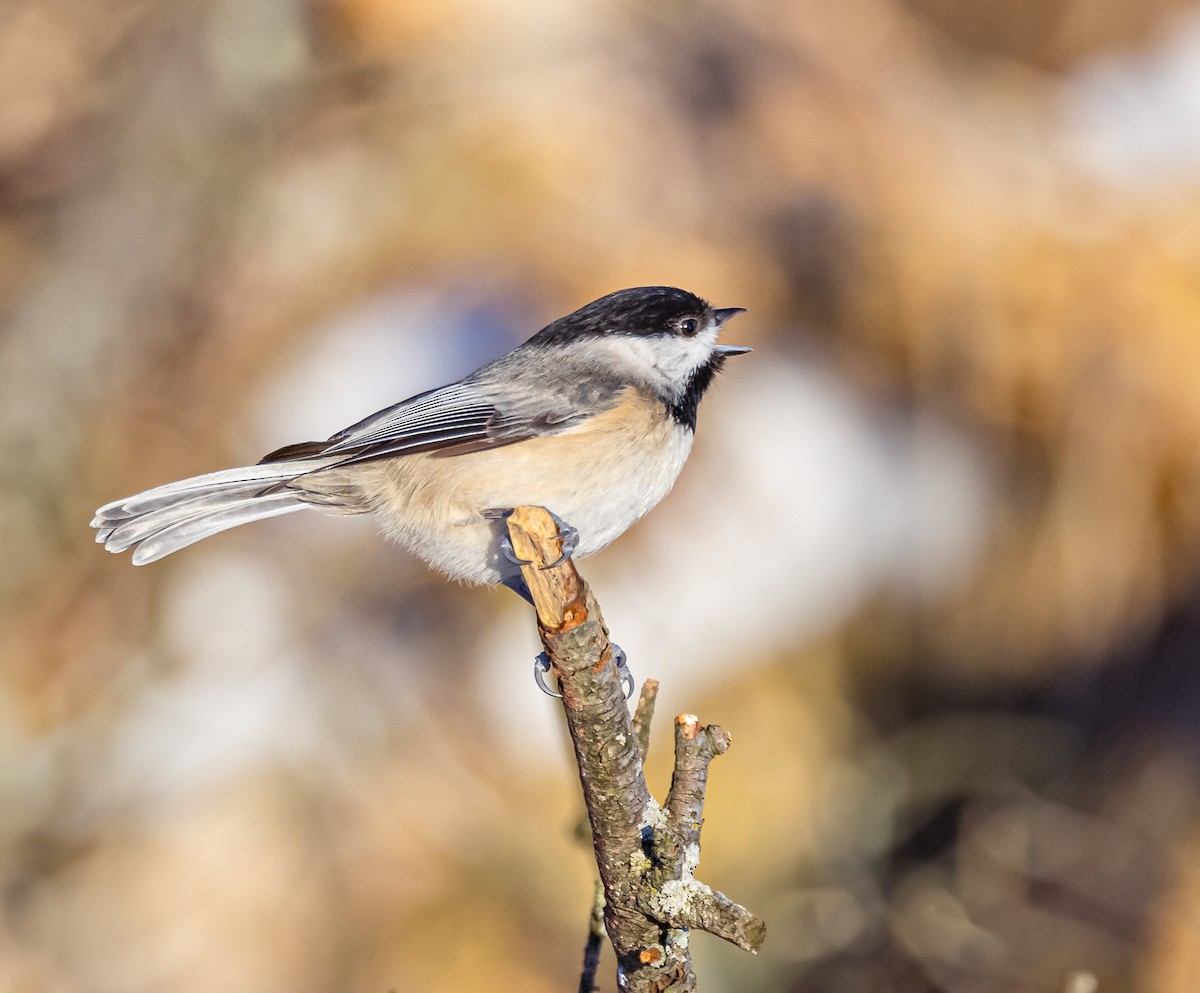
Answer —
(595, 940)
(643, 714)
(646, 854)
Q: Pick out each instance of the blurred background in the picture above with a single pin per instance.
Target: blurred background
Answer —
(935, 562)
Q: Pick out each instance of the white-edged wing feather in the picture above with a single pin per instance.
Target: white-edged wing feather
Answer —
(458, 418)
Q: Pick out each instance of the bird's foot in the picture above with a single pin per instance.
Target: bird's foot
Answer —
(542, 667)
(622, 661)
(506, 546)
(568, 535)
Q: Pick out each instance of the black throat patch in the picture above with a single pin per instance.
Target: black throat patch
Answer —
(683, 411)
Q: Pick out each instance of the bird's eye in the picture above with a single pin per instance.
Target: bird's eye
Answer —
(689, 327)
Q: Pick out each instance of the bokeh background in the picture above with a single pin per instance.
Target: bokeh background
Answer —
(935, 562)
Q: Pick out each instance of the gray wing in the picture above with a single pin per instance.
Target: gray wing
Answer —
(453, 420)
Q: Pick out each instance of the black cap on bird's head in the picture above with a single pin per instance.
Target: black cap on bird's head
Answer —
(640, 311)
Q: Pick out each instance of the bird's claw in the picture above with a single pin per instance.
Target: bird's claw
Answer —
(542, 666)
(507, 550)
(621, 659)
(569, 536)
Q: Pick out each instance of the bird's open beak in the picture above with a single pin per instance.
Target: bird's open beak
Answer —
(721, 317)
(725, 313)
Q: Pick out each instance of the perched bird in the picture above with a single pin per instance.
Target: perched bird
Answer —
(592, 418)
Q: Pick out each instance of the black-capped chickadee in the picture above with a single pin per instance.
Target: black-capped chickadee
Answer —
(592, 418)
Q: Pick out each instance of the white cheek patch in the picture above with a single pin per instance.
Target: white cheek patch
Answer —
(671, 357)
(679, 357)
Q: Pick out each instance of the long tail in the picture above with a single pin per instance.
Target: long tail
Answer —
(168, 518)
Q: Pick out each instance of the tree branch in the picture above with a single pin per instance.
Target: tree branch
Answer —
(646, 854)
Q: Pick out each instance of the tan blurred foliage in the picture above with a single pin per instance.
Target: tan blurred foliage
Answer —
(282, 762)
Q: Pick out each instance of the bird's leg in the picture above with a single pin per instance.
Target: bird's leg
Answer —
(519, 587)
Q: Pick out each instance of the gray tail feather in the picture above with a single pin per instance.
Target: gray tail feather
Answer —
(168, 518)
